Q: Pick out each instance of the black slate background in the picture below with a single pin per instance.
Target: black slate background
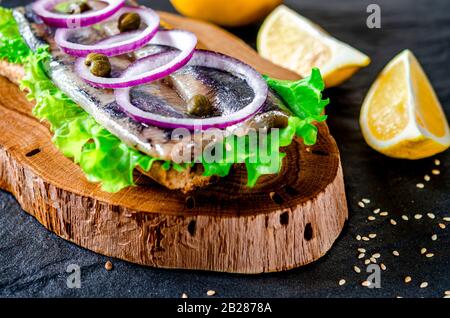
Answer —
(33, 260)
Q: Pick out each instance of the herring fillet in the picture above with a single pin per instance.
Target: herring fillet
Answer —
(100, 103)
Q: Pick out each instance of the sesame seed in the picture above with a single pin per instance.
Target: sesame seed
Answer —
(427, 178)
(376, 211)
(431, 216)
(383, 267)
(384, 213)
(418, 216)
(361, 250)
(371, 218)
(342, 282)
(365, 283)
(373, 260)
(357, 269)
(376, 255)
(429, 255)
(372, 235)
(442, 226)
(424, 285)
(437, 162)
(358, 237)
(365, 238)
(184, 295)
(408, 279)
(420, 185)
(362, 205)
(211, 292)
(362, 255)
(366, 201)
(423, 250)
(393, 222)
(367, 262)
(436, 172)
(434, 237)
(108, 265)
(395, 253)
(404, 217)
(446, 219)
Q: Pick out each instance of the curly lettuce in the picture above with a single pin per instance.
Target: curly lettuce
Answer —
(105, 159)
(12, 46)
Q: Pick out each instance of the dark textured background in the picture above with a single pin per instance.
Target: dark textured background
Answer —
(33, 260)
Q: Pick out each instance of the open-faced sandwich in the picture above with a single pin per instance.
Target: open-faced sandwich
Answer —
(124, 96)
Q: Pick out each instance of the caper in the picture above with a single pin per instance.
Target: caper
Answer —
(129, 21)
(200, 105)
(98, 64)
(79, 7)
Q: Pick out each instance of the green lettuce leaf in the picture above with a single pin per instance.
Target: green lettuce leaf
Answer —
(12, 46)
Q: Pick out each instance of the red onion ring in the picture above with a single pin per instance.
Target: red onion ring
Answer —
(123, 43)
(60, 20)
(181, 40)
(200, 58)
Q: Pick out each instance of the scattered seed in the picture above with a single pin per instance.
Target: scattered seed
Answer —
(357, 269)
(184, 295)
(436, 172)
(408, 279)
(423, 250)
(211, 292)
(342, 282)
(395, 253)
(376, 255)
(367, 262)
(358, 237)
(372, 235)
(365, 238)
(373, 260)
(371, 218)
(362, 255)
(424, 285)
(365, 283)
(434, 237)
(420, 185)
(384, 213)
(404, 217)
(108, 265)
(393, 222)
(429, 255)
(383, 267)
(418, 216)
(446, 219)
(376, 211)
(431, 216)
(437, 162)
(427, 178)
(442, 226)
(361, 250)
(366, 201)
(361, 204)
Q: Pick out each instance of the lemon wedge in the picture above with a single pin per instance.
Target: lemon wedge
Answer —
(294, 42)
(401, 116)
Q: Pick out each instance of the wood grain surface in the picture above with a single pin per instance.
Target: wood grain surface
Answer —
(285, 221)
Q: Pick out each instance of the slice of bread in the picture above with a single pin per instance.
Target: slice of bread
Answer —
(185, 181)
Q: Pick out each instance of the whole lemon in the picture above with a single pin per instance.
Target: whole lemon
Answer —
(229, 13)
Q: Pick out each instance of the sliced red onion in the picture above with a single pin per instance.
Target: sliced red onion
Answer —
(60, 20)
(116, 45)
(206, 59)
(181, 40)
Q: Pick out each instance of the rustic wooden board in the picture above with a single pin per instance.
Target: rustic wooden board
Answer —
(286, 221)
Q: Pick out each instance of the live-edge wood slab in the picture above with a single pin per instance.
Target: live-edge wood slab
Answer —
(286, 221)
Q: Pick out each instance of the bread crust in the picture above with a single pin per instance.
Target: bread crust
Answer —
(185, 181)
